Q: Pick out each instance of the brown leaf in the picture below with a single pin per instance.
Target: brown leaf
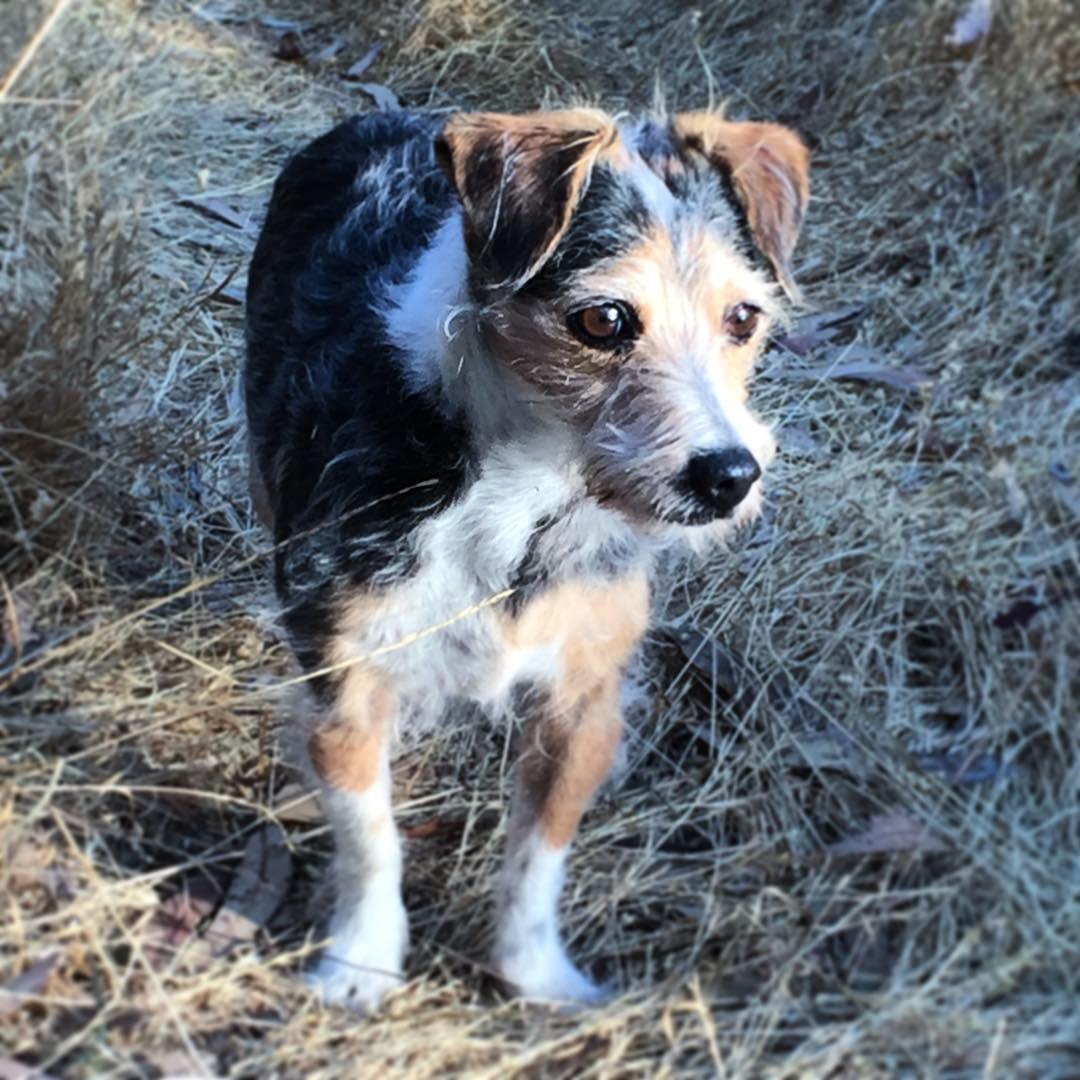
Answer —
(365, 61)
(890, 832)
(864, 953)
(857, 364)
(176, 921)
(27, 984)
(1018, 613)
(432, 826)
(722, 668)
(385, 99)
(810, 332)
(256, 891)
(29, 863)
(218, 210)
(17, 630)
(228, 292)
(328, 51)
(825, 750)
(295, 804)
(724, 671)
(289, 47)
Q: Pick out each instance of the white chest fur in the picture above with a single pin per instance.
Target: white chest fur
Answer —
(441, 634)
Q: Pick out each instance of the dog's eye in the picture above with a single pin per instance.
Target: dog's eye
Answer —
(741, 321)
(604, 326)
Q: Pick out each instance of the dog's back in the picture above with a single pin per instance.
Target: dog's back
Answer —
(332, 422)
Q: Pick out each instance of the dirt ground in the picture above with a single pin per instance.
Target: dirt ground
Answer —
(847, 839)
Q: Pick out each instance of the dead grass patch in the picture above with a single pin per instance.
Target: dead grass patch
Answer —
(846, 842)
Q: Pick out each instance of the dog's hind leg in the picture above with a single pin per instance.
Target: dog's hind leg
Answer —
(350, 751)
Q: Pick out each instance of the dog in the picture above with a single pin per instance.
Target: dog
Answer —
(497, 366)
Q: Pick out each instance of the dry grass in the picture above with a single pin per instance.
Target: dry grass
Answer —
(904, 626)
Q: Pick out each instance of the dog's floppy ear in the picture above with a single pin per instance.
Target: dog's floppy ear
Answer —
(769, 168)
(519, 179)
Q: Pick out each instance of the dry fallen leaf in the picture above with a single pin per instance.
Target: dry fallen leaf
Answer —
(284, 26)
(27, 984)
(295, 804)
(289, 47)
(29, 863)
(176, 921)
(385, 99)
(218, 210)
(973, 25)
(433, 826)
(857, 363)
(17, 630)
(797, 441)
(890, 832)
(1015, 497)
(722, 669)
(964, 767)
(328, 51)
(810, 332)
(826, 750)
(256, 890)
(365, 61)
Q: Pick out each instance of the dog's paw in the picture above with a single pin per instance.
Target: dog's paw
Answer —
(357, 986)
(364, 960)
(547, 974)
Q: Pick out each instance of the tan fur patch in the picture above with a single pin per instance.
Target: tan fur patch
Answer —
(770, 167)
(347, 749)
(354, 615)
(598, 626)
(683, 286)
(566, 759)
(570, 744)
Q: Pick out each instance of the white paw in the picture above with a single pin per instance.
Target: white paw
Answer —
(364, 960)
(541, 971)
(357, 986)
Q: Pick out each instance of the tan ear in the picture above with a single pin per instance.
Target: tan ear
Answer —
(519, 179)
(769, 168)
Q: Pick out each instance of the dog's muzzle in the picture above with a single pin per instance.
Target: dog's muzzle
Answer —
(719, 480)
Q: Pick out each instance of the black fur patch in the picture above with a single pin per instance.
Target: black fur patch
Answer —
(516, 197)
(665, 156)
(353, 460)
(611, 218)
(748, 246)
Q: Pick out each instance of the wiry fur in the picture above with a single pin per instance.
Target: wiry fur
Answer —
(429, 434)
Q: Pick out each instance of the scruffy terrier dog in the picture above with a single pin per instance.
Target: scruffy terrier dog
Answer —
(496, 365)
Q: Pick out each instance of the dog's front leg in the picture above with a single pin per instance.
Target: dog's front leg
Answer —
(569, 746)
(350, 751)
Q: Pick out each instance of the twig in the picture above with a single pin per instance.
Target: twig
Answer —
(32, 46)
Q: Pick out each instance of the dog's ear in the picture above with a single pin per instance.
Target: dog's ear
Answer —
(519, 179)
(768, 167)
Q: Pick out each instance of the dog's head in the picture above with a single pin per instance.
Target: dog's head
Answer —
(628, 274)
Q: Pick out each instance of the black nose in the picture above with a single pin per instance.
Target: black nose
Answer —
(721, 478)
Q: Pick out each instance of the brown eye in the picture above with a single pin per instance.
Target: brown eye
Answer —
(603, 326)
(741, 321)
